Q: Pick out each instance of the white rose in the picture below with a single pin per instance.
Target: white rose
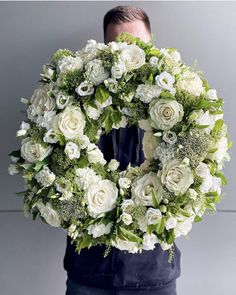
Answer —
(101, 197)
(143, 188)
(69, 63)
(46, 177)
(149, 144)
(165, 114)
(70, 122)
(41, 102)
(71, 150)
(146, 92)
(132, 56)
(211, 94)
(97, 230)
(86, 177)
(191, 83)
(131, 247)
(95, 155)
(95, 72)
(149, 241)
(153, 216)
(126, 218)
(48, 213)
(33, 151)
(165, 81)
(118, 70)
(124, 182)
(85, 88)
(176, 176)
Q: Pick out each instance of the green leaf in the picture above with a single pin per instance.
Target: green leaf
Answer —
(218, 126)
(160, 226)
(116, 116)
(39, 165)
(102, 94)
(171, 236)
(155, 200)
(154, 52)
(197, 218)
(224, 181)
(129, 235)
(83, 162)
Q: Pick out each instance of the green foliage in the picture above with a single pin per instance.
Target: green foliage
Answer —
(128, 235)
(102, 94)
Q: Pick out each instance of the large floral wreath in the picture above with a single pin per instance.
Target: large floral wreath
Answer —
(85, 94)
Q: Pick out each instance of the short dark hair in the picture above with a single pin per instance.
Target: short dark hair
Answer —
(122, 14)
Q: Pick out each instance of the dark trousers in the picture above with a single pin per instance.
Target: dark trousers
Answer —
(74, 288)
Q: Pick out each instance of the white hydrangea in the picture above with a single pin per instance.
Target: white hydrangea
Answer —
(191, 83)
(95, 72)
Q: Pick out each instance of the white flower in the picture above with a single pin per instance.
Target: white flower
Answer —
(89, 52)
(184, 225)
(154, 61)
(111, 84)
(47, 72)
(45, 176)
(165, 113)
(165, 81)
(50, 136)
(118, 70)
(86, 177)
(23, 129)
(83, 141)
(71, 150)
(95, 155)
(97, 230)
(70, 122)
(171, 222)
(95, 72)
(41, 102)
(126, 218)
(48, 213)
(124, 182)
(101, 197)
(192, 194)
(153, 216)
(33, 151)
(85, 88)
(72, 231)
(127, 203)
(149, 144)
(12, 169)
(146, 92)
(46, 119)
(131, 247)
(169, 136)
(69, 63)
(176, 176)
(143, 188)
(113, 165)
(191, 83)
(92, 112)
(221, 153)
(132, 56)
(211, 94)
(170, 60)
(62, 100)
(115, 46)
(149, 241)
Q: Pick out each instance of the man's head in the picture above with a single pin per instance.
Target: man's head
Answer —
(126, 19)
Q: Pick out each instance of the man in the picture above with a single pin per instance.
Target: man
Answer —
(121, 272)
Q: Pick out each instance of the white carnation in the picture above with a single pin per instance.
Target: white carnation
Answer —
(69, 63)
(86, 177)
(146, 92)
(95, 72)
(45, 177)
(191, 83)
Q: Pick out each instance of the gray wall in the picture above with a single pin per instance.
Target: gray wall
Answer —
(31, 253)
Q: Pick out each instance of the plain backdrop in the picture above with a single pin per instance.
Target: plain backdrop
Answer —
(31, 253)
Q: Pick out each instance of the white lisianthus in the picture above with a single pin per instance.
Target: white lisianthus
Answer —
(149, 241)
(118, 70)
(50, 136)
(145, 124)
(153, 216)
(23, 129)
(98, 230)
(41, 102)
(127, 203)
(12, 169)
(45, 176)
(95, 155)
(211, 94)
(177, 176)
(143, 188)
(33, 151)
(191, 83)
(124, 182)
(126, 218)
(131, 247)
(149, 144)
(171, 222)
(86, 177)
(101, 197)
(62, 100)
(146, 92)
(71, 150)
(154, 61)
(69, 63)
(132, 56)
(165, 113)
(89, 52)
(46, 119)
(113, 165)
(70, 122)
(165, 81)
(48, 213)
(95, 72)
(85, 88)
(221, 153)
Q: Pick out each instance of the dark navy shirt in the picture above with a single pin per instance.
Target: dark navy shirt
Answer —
(120, 269)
